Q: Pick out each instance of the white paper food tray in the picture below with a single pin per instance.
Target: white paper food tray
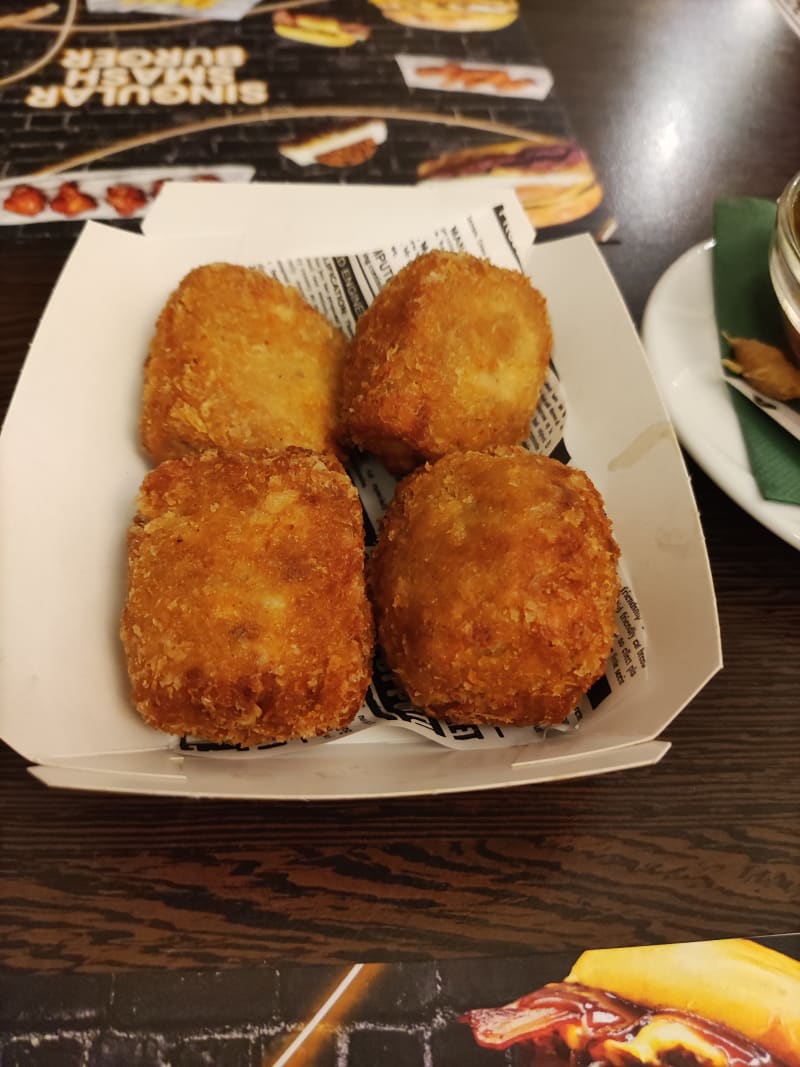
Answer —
(70, 467)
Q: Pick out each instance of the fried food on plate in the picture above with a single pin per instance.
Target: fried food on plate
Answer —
(494, 583)
(240, 361)
(247, 619)
(452, 75)
(25, 200)
(451, 355)
(764, 367)
(70, 200)
(340, 144)
(126, 199)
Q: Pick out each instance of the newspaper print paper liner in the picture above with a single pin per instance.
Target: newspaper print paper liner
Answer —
(786, 415)
(342, 288)
(95, 184)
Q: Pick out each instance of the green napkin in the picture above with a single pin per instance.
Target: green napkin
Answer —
(746, 306)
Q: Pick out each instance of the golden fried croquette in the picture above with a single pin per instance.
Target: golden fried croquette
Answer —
(240, 361)
(450, 356)
(494, 584)
(246, 618)
(767, 368)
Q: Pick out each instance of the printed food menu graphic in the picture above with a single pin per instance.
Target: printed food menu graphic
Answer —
(728, 1003)
(105, 100)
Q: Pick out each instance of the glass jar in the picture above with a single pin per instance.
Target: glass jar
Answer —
(784, 262)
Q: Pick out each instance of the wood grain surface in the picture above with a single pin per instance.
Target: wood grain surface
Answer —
(677, 102)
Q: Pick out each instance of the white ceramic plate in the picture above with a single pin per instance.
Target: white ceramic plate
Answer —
(680, 337)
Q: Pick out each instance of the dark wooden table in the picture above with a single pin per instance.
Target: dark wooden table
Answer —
(677, 102)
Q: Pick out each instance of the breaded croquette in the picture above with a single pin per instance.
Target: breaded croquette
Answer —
(240, 361)
(494, 584)
(450, 356)
(246, 618)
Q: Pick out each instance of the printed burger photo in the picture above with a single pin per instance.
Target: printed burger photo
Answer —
(552, 176)
(452, 16)
(731, 1003)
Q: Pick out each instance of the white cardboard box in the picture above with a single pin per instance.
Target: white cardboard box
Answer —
(70, 467)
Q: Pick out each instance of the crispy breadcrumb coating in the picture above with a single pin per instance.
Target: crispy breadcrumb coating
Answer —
(494, 584)
(240, 361)
(247, 619)
(765, 367)
(450, 356)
